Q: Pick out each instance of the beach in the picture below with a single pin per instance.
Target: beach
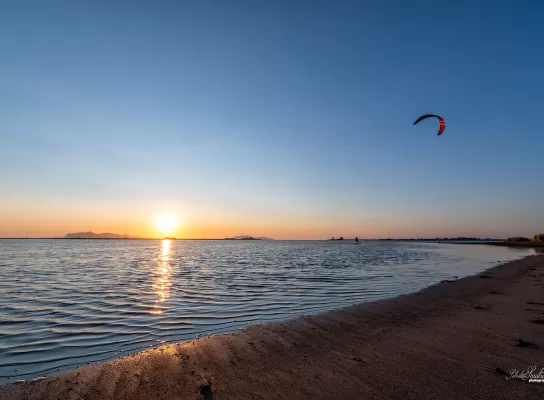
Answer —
(454, 340)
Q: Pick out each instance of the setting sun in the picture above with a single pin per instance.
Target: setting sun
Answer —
(166, 223)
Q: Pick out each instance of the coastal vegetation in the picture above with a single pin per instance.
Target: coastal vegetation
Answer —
(518, 239)
(537, 240)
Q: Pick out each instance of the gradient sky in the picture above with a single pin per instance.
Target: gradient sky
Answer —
(290, 119)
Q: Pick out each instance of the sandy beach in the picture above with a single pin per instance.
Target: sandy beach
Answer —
(454, 340)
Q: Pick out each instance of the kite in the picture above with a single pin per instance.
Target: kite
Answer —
(442, 122)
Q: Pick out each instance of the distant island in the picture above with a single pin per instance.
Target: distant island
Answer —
(92, 235)
(245, 237)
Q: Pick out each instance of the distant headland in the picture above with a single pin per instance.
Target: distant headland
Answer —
(444, 239)
(519, 241)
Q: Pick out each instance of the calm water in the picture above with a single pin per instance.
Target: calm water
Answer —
(65, 303)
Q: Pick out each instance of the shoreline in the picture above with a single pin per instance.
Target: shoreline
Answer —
(518, 245)
(444, 341)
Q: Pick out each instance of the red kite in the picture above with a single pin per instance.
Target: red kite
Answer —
(442, 122)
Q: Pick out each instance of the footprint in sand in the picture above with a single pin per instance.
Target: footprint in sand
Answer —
(205, 388)
(534, 311)
(524, 343)
(206, 392)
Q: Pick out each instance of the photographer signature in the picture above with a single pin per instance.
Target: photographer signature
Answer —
(528, 374)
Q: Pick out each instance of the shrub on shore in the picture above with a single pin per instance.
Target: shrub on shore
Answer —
(518, 239)
(538, 239)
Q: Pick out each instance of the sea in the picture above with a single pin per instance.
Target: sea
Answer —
(66, 304)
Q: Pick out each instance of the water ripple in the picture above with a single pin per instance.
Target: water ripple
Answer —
(65, 304)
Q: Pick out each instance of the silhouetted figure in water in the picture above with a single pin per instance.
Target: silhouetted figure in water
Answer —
(356, 239)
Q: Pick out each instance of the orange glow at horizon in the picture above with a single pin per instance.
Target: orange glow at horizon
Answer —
(210, 223)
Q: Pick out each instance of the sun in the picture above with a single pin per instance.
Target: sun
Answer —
(166, 223)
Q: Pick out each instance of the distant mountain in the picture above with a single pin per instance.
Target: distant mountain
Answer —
(91, 235)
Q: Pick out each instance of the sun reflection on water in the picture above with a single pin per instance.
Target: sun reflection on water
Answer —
(163, 276)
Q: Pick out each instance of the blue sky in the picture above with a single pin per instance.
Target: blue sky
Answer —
(273, 113)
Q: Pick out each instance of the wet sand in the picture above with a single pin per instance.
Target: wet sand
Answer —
(454, 340)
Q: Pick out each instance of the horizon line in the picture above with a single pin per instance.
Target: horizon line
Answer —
(264, 240)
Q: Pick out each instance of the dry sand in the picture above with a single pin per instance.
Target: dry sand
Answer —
(445, 342)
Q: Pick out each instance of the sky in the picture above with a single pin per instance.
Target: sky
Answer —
(288, 119)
